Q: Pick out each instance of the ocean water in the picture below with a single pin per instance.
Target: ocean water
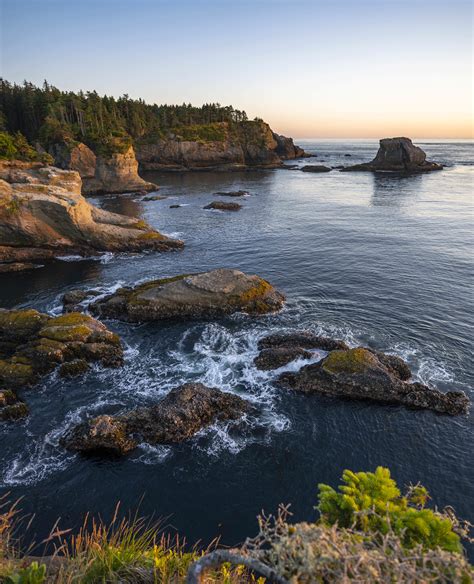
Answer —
(379, 260)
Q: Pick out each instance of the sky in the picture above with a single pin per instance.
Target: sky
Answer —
(311, 68)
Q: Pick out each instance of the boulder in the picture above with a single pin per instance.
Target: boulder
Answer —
(74, 298)
(33, 344)
(397, 155)
(154, 198)
(204, 295)
(221, 206)
(176, 418)
(43, 215)
(364, 374)
(315, 168)
(286, 148)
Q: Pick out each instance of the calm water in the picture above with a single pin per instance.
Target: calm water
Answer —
(381, 260)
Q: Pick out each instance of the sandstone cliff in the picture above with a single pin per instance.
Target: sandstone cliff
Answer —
(117, 173)
(237, 146)
(43, 215)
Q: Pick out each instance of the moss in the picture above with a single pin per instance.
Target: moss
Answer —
(14, 411)
(351, 361)
(21, 323)
(256, 292)
(67, 334)
(16, 374)
(203, 133)
(74, 368)
(140, 225)
(7, 397)
(71, 319)
(150, 235)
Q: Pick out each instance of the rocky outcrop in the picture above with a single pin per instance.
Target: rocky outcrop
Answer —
(286, 148)
(33, 344)
(239, 146)
(361, 373)
(44, 215)
(100, 174)
(397, 155)
(176, 418)
(205, 295)
(221, 206)
(274, 358)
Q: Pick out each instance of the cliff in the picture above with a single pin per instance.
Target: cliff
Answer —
(115, 173)
(218, 146)
(43, 215)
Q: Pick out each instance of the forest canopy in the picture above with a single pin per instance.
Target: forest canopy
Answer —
(47, 115)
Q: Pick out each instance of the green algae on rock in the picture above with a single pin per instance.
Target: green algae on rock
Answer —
(33, 344)
(362, 373)
(204, 295)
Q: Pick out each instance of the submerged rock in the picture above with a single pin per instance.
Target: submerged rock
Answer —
(399, 155)
(221, 206)
(154, 198)
(316, 168)
(43, 215)
(177, 417)
(205, 295)
(232, 193)
(33, 344)
(364, 374)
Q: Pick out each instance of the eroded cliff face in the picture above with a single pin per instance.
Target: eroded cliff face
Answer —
(43, 215)
(243, 145)
(117, 173)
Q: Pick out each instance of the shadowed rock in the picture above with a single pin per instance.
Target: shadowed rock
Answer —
(301, 339)
(398, 155)
(221, 206)
(72, 299)
(205, 295)
(11, 407)
(176, 418)
(363, 374)
(274, 358)
(232, 193)
(315, 168)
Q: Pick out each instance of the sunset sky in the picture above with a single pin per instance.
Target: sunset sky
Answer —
(338, 68)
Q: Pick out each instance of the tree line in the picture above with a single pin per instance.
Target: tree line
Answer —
(48, 115)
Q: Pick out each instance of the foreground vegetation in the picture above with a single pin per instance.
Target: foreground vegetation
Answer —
(367, 532)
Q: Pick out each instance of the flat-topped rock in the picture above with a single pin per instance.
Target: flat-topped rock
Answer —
(222, 206)
(176, 418)
(316, 168)
(397, 155)
(361, 373)
(204, 295)
(232, 193)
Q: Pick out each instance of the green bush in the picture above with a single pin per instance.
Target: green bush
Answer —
(33, 574)
(372, 503)
(215, 132)
(7, 147)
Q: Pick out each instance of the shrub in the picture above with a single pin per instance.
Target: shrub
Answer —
(372, 503)
(7, 147)
(33, 574)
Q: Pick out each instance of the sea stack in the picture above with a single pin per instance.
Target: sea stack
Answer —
(397, 155)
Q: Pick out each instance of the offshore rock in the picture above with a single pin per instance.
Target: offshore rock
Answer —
(176, 418)
(364, 374)
(397, 155)
(43, 215)
(221, 206)
(205, 295)
(11, 407)
(315, 168)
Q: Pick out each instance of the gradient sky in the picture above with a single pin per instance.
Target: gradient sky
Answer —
(334, 68)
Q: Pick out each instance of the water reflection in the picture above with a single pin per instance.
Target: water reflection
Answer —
(394, 190)
(123, 204)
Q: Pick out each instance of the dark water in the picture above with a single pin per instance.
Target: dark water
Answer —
(375, 259)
